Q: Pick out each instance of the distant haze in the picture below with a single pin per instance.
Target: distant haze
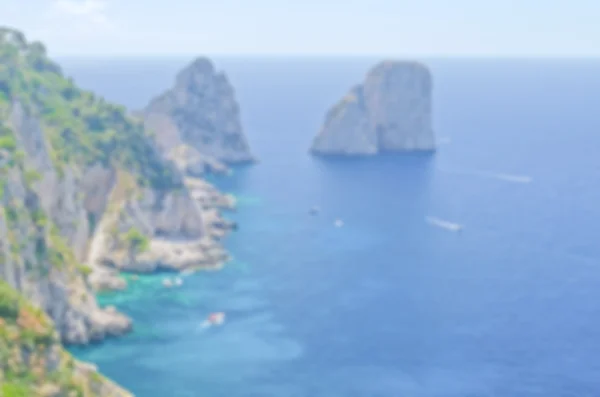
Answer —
(386, 28)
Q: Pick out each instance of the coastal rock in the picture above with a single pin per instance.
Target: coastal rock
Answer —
(200, 111)
(208, 196)
(172, 245)
(190, 162)
(30, 348)
(390, 111)
(170, 255)
(103, 279)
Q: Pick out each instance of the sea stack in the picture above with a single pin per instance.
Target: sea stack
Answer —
(199, 116)
(389, 112)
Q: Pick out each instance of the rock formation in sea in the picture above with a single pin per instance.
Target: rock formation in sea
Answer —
(84, 194)
(197, 122)
(390, 111)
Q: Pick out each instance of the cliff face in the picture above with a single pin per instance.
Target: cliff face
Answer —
(83, 192)
(390, 111)
(201, 114)
(32, 360)
(44, 224)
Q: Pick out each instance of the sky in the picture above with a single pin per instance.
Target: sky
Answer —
(472, 28)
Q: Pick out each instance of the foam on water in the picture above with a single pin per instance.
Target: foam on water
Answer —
(454, 227)
(524, 179)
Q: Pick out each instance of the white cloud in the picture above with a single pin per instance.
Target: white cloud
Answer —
(88, 11)
(73, 26)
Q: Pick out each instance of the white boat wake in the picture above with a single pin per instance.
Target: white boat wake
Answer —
(493, 175)
(204, 325)
(511, 178)
(453, 227)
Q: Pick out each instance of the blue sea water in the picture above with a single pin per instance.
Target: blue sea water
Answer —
(388, 305)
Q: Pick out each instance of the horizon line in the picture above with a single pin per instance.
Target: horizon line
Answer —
(308, 55)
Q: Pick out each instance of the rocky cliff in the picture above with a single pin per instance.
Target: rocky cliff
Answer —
(52, 134)
(32, 360)
(200, 118)
(85, 193)
(389, 111)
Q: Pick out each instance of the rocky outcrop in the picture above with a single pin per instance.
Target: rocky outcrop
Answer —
(389, 111)
(32, 360)
(201, 113)
(190, 162)
(143, 231)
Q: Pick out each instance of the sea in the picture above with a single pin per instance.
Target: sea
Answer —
(471, 272)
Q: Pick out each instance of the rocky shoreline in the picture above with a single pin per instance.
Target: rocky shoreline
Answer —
(174, 255)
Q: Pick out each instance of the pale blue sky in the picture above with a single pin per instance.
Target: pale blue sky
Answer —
(316, 27)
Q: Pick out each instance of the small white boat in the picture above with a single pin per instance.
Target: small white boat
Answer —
(214, 319)
(167, 282)
(338, 223)
(217, 318)
(178, 281)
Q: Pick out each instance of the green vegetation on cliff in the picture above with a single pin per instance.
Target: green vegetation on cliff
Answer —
(32, 361)
(136, 240)
(7, 139)
(80, 127)
(45, 116)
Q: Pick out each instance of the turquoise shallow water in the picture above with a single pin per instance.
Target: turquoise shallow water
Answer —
(387, 305)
